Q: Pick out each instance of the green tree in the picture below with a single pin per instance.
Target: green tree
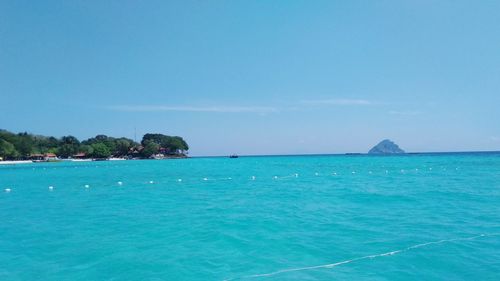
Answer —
(122, 146)
(100, 151)
(177, 145)
(7, 150)
(70, 146)
(42, 144)
(171, 145)
(150, 148)
(23, 144)
(87, 149)
(70, 140)
(67, 150)
(110, 142)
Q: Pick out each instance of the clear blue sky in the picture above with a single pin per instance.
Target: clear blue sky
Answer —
(256, 77)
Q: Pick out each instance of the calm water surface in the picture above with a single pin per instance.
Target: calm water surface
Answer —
(415, 217)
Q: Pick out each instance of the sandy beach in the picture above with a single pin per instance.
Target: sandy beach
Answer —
(15, 162)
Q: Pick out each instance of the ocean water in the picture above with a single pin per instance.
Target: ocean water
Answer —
(414, 217)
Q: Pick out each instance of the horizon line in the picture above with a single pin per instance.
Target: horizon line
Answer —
(351, 154)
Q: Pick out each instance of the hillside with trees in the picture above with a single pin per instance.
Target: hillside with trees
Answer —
(24, 145)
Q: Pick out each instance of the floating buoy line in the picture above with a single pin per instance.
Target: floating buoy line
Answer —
(348, 173)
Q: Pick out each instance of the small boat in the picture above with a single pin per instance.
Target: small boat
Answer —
(81, 160)
(116, 159)
(233, 156)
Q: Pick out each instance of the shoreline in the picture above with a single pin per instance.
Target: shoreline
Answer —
(17, 162)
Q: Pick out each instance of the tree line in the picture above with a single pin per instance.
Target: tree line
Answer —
(23, 145)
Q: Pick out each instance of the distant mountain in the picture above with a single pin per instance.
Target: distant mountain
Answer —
(386, 147)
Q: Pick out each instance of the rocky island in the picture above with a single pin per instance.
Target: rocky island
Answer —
(386, 147)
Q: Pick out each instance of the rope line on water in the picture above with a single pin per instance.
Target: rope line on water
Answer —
(332, 265)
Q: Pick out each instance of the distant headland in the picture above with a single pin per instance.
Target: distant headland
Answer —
(37, 148)
(386, 147)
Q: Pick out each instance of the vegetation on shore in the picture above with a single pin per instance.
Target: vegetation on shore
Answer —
(24, 145)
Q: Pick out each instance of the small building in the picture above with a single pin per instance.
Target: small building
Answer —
(136, 150)
(43, 157)
(37, 157)
(50, 156)
(80, 155)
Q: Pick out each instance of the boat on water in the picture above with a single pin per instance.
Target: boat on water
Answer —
(233, 156)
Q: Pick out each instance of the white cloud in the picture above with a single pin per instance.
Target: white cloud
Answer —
(220, 109)
(263, 110)
(338, 102)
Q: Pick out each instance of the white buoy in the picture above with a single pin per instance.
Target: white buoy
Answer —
(402, 171)
(316, 174)
(205, 179)
(386, 171)
(353, 172)
(334, 173)
(253, 178)
(51, 188)
(151, 182)
(430, 169)
(86, 186)
(296, 175)
(275, 177)
(229, 178)
(119, 183)
(179, 180)
(369, 172)
(8, 190)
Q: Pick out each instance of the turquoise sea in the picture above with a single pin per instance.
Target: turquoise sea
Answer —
(413, 217)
